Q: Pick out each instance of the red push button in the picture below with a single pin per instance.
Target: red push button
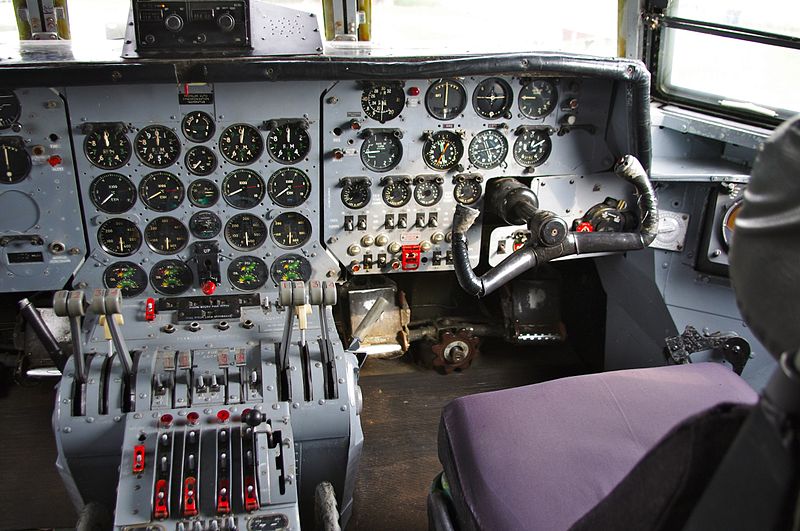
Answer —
(209, 287)
(584, 227)
(54, 160)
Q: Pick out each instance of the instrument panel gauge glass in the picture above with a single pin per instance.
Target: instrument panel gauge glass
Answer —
(157, 146)
(289, 187)
(200, 161)
(241, 144)
(427, 193)
(289, 143)
(198, 126)
(381, 151)
(396, 193)
(171, 277)
(108, 147)
(15, 163)
(493, 98)
(245, 232)
(112, 193)
(203, 193)
(383, 102)
(119, 237)
(127, 277)
(243, 189)
(205, 225)
(443, 150)
(729, 222)
(356, 194)
(467, 192)
(290, 267)
(247, 273)
(166, 235)
(538, 98)
(446, 99)
(290, 230)
(10, 109)
(161, 191)
(488, 149)
(532, 148)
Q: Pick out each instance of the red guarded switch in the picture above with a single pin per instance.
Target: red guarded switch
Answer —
(190, 497)
(138, 459)
(224, 498)
(584, 226)
(410, 257)
(250, 494)
(160, 505)
(150, 309)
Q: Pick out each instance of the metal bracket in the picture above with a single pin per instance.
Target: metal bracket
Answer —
(734, 348)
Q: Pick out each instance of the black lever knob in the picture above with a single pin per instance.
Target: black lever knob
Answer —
(253, 417)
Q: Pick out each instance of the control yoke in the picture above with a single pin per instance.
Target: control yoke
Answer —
(550, 234)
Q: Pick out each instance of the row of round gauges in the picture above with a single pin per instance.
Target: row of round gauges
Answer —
(447, 98)
(168, 235)
(397, 192)
(174, 277)
(162, 191)
(107, 145)
(382, 151)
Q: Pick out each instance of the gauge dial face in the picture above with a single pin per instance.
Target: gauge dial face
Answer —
(157, 146)
(532, 148)
(15, 163)
(247, 273)
(729, 222)
(171, 277)
(112, 193)
(241, 144)
(381, 151)
(493, 98)
(201, 161)
(166, 235)
(383, 102)
(443, 150)
(538, 98)
(126, 277)
(446, 99)
(198, 126)
(245, 232)
(488, 149)
(10, 108)
(427, 193)
(119, 237)
(108, 147)
(243, 189)
(161, 191)
(203, 193)
(467, 192)
(356, 194)
(205, 225)
(289, 187)
(289, 143)
(396, 193)
(290, 267)
(290, 230)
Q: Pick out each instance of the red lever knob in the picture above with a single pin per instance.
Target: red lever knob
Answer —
(209, 287)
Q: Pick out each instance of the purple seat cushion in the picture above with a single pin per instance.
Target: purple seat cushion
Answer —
(541, 456)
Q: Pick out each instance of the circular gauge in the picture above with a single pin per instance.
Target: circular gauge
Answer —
(203, 193)
(381, 151)
(488, 149)
(245, 232)
(443, 150)
(396, 193)
(166, 235)
(532, 148)
(290, 267)
(15, 163)
(112, 193)
(243, 189)
(205, 225)
(241, 144)
(537, 99)
(290, 230)
(729, 222)
(467, 192)
(247, 273)
(126, 277)
(161, 191)
(427, 193)
(383, 102)
(446, 99)
(289, 143)
(119, 237)
(157, 146)
(492, 98)
(171, 277)
(198, 126)
(356, 194)
(108, 147)
(200, 160)
(10, 109)
(289, 187)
